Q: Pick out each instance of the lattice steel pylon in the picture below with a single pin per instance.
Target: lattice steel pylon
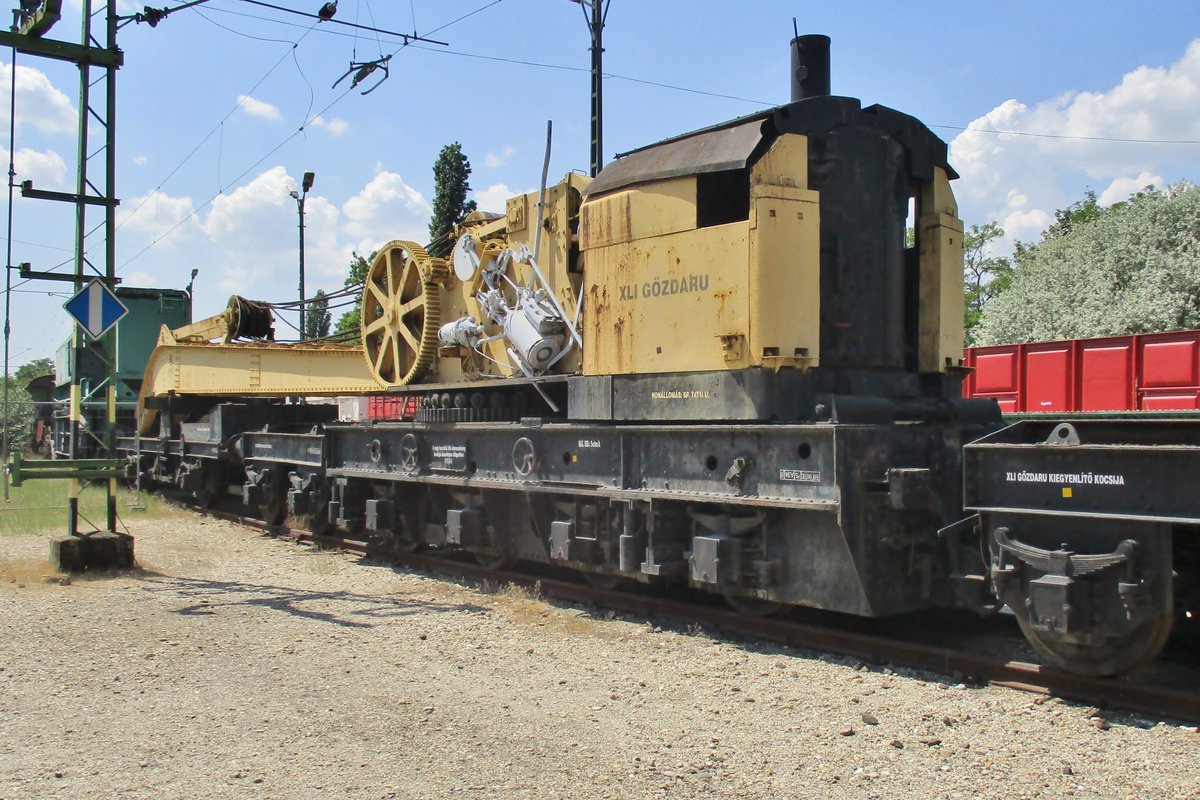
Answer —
(98, 62)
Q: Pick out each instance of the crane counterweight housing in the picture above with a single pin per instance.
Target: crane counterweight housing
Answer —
(730, 361)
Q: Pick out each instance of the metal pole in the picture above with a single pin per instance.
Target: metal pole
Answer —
(597, 29)
(77, 338)
(110, 254)
(12, 177)
(300, 203)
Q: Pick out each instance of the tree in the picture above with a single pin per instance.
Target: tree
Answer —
(16, 424)
(984, 276)
(349, 322)
(1132, 267)
(1066, 219)
(34, 369)
(1080, 212)
(317, 317)
(451, 172)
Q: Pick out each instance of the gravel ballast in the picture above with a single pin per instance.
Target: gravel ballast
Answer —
(233, 665)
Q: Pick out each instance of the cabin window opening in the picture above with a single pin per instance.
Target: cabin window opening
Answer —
(912, 282)
(722, 197)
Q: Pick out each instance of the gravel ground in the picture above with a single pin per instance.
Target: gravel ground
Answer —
(234, 665)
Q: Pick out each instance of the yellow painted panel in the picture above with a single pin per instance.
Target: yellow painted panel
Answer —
(653, 209)
(785, 275)
(663, 304)
(785, 164)
(941, 269)
(277, 370)
(785, 257)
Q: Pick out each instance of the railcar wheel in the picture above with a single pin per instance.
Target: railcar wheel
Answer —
(1116, 656)
(273, 508)
(401, 312)
(209, 490)
(206, 496)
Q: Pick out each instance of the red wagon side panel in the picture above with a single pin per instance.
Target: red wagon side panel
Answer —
(1050, 377)
(1146, 372)
(1106, 374)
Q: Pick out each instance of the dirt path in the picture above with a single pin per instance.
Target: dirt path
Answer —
(234, 665)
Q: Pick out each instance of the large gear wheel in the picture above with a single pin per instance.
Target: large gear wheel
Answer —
(401, 312)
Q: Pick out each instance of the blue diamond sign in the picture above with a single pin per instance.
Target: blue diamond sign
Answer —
(96, 308)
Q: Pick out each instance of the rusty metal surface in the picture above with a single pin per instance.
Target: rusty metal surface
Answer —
(713, 151)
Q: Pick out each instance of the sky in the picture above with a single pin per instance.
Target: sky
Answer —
(222, 108)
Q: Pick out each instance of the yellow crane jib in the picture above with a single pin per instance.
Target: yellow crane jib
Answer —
(203, 359)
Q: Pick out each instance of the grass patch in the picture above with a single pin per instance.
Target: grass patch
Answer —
(42, 505)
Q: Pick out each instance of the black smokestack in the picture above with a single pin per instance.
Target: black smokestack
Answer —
(810, 66)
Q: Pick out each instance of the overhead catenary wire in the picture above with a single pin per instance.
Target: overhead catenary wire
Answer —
(404, 36)
(153, 16)
(1067, 136)
(349, 35)
(613, 76)
(12, 174)
(310, 118)
(378, 41)
(770, 104)
(241, 100)
(408, 41)
(236, 32)
(39, 244)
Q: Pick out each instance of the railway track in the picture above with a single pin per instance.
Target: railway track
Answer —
(1106, 693)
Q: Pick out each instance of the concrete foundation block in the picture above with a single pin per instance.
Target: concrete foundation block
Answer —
(92, 552)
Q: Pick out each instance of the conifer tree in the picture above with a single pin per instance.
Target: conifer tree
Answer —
(451, 185)
(317, 317)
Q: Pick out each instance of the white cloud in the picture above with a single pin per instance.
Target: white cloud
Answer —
(1025, 225)
(44, 167)
(254, 226)
(494, 160)
(39, 104)
(231, 213)
(336, 126)
(325, 256)
(258, 108)
(139, 279)
(141, 161)
(246, 241)
(387, 208)
(493, 198)
(255, 229)
(1122, 188)
(1019, 221)
(155, 214)
(1055, 149)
